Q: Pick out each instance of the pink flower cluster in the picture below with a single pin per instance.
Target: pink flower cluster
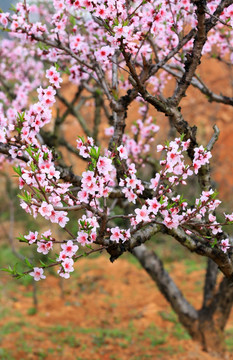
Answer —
(97, 181)
(68, 252)
(88, 39)
(44, 244)
(87, 230)
(201, 157)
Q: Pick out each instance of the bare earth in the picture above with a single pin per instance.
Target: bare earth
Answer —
(107, 311)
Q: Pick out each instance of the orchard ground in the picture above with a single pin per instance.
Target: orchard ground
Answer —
(105, 311)
(114, 311)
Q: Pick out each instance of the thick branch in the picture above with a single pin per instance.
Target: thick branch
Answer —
(198, 84)
(222, 303)
(210, 282)
(154, 267)
(193, 59)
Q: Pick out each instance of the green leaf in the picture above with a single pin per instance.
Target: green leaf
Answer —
(72, 20)
(29, 150)
(67, 71)
(13, 8)
(57, 66)
(214, 243)
(42, 263)
(4, 29)
(116, 22)
(21, 116)
(18, 170)
(9, 270)
(182, 137)
(82, 138)
(27, 262)
(21, 238)
(33, 167)
(89, 246)
(42, 46)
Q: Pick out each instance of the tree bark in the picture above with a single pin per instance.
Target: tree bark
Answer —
(205, 326)
(188, 316)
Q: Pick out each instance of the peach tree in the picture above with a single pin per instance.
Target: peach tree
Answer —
(115, 54)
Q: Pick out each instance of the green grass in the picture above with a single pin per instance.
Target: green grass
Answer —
(155, 335)
(169, 316)
(32, 311)
(192, 265)
(180, 333)
(5, 354)
(72, 341)
(229, 339)
(11, 327)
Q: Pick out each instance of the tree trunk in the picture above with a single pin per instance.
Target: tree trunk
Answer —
(209, 335)
(205, 326)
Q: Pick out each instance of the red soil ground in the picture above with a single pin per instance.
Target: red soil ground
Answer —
(107, 311)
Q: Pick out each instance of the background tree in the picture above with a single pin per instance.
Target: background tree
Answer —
(118, 53)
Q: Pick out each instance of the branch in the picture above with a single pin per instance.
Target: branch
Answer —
(221, 304)
(195, 245)
(193, 59)
(76, 113)
(210, 282)
(199, 84)
(154, 267)
(5, 148)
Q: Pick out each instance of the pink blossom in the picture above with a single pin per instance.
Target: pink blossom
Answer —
(122, 152)
(44, 247)
(88, 177)
(82, 238)
(160, 148)
(229, 217)
(212, 217)
(201, 157)
(83, 196)
(61, 218)
(130, 195)
(37, 273)
(142, 214)
(225, 245)
(54, 77)
(63, 274)
(69, 249)
(46, 233)
(67, 265)
(31, 237)
(154, 206)
(131, 182)
(116, 234)
(3, 136)
(104, 165)
(154, 182)
(109, 131)
(45, 209)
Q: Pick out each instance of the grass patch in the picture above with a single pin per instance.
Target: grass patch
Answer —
(192, 265)
(180, 333)
(155, 335)
(169, 316)
(228, 339)
(11, 327)
(5, 355)
(72, 341)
